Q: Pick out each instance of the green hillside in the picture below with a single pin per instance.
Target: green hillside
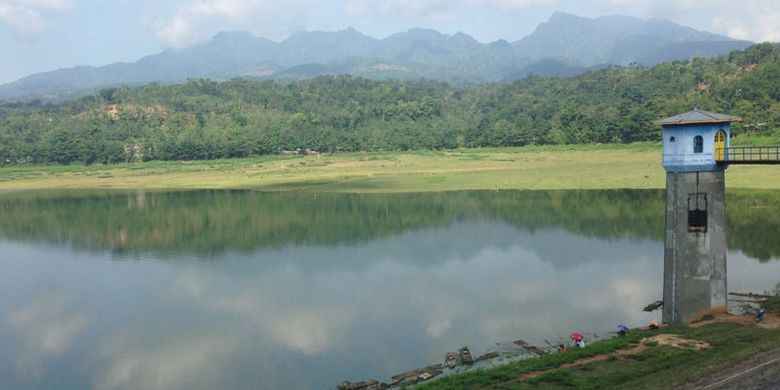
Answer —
(202, 119)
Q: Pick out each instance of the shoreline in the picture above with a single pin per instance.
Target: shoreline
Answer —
(639, 360)
(523, 363)
(581, 167)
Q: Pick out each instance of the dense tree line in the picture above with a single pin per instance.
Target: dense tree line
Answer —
(203, 119)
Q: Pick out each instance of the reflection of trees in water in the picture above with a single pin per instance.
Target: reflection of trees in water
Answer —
(209, 222)
(753, 223)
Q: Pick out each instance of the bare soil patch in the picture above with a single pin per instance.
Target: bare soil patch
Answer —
(676, 341)
(771, 321)
(671, 340)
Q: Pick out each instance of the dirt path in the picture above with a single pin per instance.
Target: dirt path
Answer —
(579, 362)
(770, 321)
(759, 372)
(671, 340)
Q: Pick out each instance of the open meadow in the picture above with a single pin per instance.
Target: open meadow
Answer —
(636, 166)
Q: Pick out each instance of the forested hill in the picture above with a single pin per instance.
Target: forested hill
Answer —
(202, 119)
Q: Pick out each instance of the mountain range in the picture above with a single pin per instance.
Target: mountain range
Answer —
(564, 45)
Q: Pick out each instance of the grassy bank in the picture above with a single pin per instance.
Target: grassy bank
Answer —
(549, 167)
(627, 362)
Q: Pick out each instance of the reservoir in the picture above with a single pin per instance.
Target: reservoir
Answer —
(246, 290)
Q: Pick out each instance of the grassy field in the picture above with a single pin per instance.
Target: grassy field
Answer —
(549, 167)
(655, 367)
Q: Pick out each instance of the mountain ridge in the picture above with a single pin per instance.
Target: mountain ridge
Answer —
(564, 45)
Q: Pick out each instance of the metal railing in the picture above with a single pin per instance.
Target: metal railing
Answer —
(748, 154)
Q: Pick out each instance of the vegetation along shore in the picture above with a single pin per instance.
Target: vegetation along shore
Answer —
(677, 357)
(720, 351)
(636, 166)
(347, 134)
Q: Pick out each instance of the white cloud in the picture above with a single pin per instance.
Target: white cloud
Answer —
(47, 328)
(417, 8)
(438, 326)
(133, 364)
(200, 19)
(432, 8)
(308, 328)
(196, 20)
(755, 20)
(519, 4)
(762, 25)
(26, 18)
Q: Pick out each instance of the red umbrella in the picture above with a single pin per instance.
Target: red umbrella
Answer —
(576, 336)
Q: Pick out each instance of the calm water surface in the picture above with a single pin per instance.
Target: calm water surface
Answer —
(225, 289)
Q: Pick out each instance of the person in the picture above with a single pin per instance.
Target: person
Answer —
(561, 348)
(654, 324)
(581, 343)
(622, 330)
(760, 314)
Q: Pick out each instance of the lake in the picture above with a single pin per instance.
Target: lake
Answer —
(239, 289)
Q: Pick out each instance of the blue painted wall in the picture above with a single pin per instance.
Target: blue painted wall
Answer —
(678, 155)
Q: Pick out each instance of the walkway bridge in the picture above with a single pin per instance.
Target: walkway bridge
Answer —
(748, 155)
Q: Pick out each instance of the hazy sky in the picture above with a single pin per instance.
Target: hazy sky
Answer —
(40, 35)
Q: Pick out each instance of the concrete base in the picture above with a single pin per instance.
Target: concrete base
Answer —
(694, 261)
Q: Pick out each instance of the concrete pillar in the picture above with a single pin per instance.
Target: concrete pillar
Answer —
(694, 261)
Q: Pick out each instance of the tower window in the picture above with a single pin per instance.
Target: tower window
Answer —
(697, 213)
(698, 144)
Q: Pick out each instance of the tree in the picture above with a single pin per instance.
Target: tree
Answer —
(62, 146)
(203, 119)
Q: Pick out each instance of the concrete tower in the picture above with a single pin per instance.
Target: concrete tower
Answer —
(695, 243)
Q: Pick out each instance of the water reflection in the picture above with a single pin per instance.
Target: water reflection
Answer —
(382, 287)
(210, 223)
(45, 328)
(213, 222)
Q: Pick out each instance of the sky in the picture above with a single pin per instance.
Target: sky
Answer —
(41, 35)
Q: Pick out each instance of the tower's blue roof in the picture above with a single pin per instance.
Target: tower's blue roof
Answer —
(696, 116)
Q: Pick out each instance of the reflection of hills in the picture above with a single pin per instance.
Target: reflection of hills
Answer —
(210, 222)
